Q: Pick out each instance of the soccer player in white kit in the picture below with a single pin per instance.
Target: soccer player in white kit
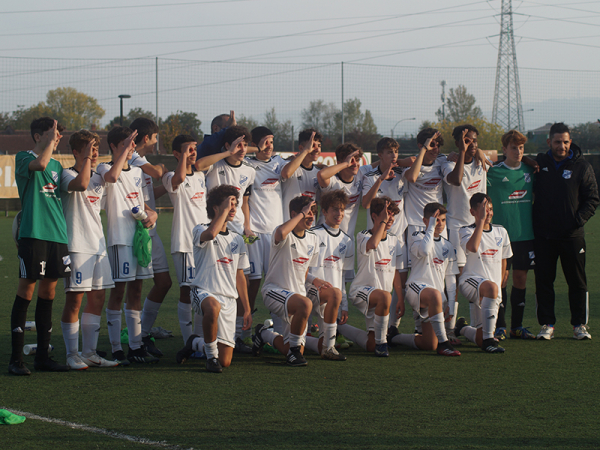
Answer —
(433, 268)
(299, 176)
(379, 254)
(294, 248)
(81, 191)
(124, 190)
(336, 257)
(487, 247)
(220, 257)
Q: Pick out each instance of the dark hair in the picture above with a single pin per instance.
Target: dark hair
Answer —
(342, 151)
(180, 140)
(219, 121)
(235, 132)
(426, 133)
(514, 137)
(304, 136)
(217, 195)
(297, 204)
(42, 124)
(260, 132)
(378, 204)
(458, 131)
(387, 143)
(334, 198)
(558, 128)
(81, 138)
(144, 127)
(431, 208)
(117, 135)
(477, 198)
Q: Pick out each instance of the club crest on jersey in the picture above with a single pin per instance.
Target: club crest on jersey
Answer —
(527, 177)
(391, 248)
(315, 182)
(97, 188)
(54, 175)
(138, 181)
(234, 247)
(567, 174)
(342, 248)
(445, 253)
(243, 179)
(498, 241)
(517, 195)
(276, 168)
(311, 249)
(401, 190)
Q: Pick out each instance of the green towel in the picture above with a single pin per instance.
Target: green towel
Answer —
(142, 245)
(8, 418)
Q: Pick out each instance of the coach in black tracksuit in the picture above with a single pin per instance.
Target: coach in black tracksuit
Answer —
(566, 196)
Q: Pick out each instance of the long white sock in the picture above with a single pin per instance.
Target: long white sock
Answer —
(407, 340)
(90, 330)
(113, 323)
(211, 349)
(328, 330)
(381, 326)
(149, 315)
(437, 323)
(470, 333)
(295, 340)
(489, 315)
(452, 323)
(198, 344)
(269, 336)
(312, 344)
(393, 320)
(239, 324)
(198, 324)
(184, 312)
(133, 319)
(247, 333)
(70, 333)
(354, 334)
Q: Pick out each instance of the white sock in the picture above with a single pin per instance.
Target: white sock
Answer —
(133, 319)
(113, 323)
(269, 336)
(90, 330)
(470, 333)
(381, 326)
(354, 334)
(277, 323)
(239, 324)
(198, 344)
(198, 324)
(70, 333)
(450, 325)
(211, 349)
(328, 331)
(437, 323)
(295, 340)
(408, 340)
(312, 344)
(489, 315)
(149, 315)
(395, 322)
(184, 312)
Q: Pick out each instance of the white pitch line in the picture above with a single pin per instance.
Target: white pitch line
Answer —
(96, 430)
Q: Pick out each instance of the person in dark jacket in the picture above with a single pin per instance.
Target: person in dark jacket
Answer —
(214, 142)
(566, 197)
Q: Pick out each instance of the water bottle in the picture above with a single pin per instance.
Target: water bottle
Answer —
(140, 214)
(31, 349)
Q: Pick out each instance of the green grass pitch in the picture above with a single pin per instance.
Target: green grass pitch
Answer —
(536, 395)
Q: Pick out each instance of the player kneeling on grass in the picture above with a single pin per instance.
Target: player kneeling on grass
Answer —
(293, 250)
(220, 258)
(433, 265)
(336, 257)
(487, 247)
(379, 254)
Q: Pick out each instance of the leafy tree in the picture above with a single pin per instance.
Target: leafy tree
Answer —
(282, 131)
(587, 136)
(133, 114)
(246, 121)
(489, 138)
(320, 116)
(460, 106)
(180, 123)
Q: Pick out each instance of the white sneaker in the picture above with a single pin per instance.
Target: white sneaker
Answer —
(546, 333)
(75, 363)
(97, 361)
(580, 333)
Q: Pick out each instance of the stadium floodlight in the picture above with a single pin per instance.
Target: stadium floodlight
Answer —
(401, 120)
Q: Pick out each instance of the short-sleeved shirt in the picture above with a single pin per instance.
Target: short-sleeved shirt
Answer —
(432, 268)
(427, 189)
(336, 255)
(82, 214)
(42, 211)
(354, 191)
(473, 181)
(266, 205)
(511, 190)
(395, 189)
(302, 182)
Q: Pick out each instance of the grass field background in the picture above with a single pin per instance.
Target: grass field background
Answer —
(536, 395)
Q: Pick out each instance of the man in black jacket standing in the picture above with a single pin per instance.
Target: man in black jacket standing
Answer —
(566, 196)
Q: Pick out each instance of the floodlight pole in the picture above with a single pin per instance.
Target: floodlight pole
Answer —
(401, 120)
(121, 97)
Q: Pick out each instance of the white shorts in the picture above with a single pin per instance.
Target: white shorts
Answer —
(159, 257)
(313, 295)
(227, 315)
(258, 254)
(124, 265)
(454, 238)
(413, 296)
(360, 298)
(276, 300)
(89, 273)
(469, 287)
(184, 268)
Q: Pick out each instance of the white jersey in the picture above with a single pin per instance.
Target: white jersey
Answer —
(336, 255)
(427, 189)
(266, 207)
(139, 161)
(376, 267)
(121, 197)
(290, 260)
(189, 209)
(395, 189)
(241, 177)
(487, 262)
(432, 268)
(217, 262)
(82, 214)
(302, 182)
(473, 181)
(354, 190)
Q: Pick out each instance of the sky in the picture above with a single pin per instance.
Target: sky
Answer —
(549, 34)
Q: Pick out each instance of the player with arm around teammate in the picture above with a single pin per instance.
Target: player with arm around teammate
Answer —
(220, 258)
(433, 268)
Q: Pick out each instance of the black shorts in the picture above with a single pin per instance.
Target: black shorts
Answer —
(43, 259)
(523, 257)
